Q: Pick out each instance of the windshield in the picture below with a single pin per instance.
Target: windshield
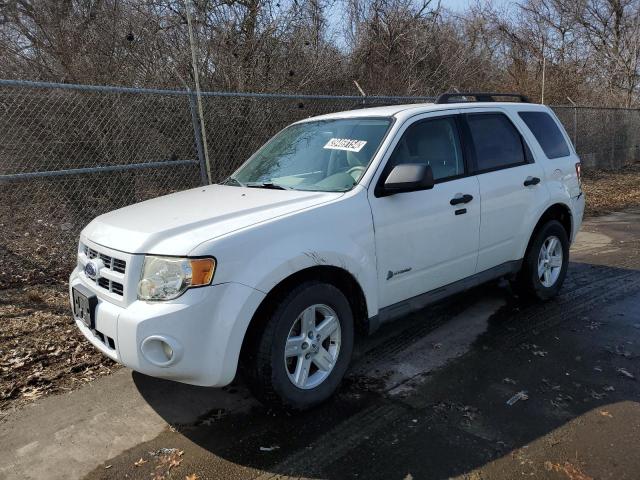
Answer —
(324, 155)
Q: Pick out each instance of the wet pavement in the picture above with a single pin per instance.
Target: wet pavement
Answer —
(429, 395)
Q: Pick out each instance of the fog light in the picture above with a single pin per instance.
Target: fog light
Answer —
(161, 350)
(168, 351)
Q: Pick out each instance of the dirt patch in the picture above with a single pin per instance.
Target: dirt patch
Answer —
(41, 350)
(610, 191)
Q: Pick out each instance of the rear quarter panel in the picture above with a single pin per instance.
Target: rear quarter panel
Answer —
(560, 177)
(560, 173)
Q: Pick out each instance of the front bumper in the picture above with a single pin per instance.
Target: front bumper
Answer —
(205, 328)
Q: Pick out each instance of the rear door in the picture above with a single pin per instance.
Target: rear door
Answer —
(511, 184)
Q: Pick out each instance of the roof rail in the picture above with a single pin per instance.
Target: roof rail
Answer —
(479, 96)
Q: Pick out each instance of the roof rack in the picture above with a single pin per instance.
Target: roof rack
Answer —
(479, 96)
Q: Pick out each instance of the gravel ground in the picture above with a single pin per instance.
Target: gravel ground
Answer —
(41, 351)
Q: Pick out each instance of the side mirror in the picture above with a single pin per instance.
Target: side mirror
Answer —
(408, 177)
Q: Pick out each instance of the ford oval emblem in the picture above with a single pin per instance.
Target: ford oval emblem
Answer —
(91, 271)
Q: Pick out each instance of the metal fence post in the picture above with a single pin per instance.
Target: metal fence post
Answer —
(197, 132)
(575, 128)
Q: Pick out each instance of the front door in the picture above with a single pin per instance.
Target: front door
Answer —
(427, 239)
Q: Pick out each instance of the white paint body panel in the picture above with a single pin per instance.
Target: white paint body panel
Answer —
(165, 225)
(509, 209)
(260, 237)
(419, 231)
(419, 235)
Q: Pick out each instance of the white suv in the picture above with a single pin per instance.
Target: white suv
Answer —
(338, 224)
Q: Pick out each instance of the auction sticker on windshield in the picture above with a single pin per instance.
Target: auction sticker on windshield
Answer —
(345, 144)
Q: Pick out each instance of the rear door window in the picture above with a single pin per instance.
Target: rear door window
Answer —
(496, 141)
(547, 133)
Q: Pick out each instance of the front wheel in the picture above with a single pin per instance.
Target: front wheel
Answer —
(545, 264)
(304, 349)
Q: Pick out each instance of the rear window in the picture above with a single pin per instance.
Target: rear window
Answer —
(546, 131)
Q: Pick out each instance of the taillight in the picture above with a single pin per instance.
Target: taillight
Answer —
(579, 173)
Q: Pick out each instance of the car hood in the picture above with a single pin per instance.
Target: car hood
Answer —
(175, 224)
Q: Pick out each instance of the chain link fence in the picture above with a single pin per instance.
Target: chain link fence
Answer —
(605, 138)
(69, 153)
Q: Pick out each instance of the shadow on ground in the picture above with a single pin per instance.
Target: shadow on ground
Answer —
(574, 357)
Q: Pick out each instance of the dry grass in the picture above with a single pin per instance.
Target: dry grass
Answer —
(612, 191)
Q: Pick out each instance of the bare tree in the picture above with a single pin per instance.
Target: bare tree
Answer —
(612, 28)
(589, 49)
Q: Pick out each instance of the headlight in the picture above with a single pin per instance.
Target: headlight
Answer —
(166, 278)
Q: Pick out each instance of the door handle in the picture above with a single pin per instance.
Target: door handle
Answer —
(531, 181)
(458, 199)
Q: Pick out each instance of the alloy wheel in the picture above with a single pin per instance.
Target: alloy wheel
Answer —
(313, 346)
(550, 261)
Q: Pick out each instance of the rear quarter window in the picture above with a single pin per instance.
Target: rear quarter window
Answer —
(547, 133)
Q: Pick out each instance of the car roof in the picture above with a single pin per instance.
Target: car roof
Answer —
(408, 110)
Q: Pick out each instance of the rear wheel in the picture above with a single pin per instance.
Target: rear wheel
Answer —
(545, 264)
(304, 350)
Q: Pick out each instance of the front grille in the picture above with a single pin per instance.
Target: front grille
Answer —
(118, 265)
(117, 288)
(110, 285)
(111, 263)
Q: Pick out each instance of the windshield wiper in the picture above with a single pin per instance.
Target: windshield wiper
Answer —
(271, 185)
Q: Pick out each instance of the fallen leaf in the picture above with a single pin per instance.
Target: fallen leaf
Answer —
(269, 449)
(626, 373)
(571, 471)
(518, 396)
(193, 476)
(167, 458)
(604, 413)
(165, 451)
(108, 467)
(140, 462)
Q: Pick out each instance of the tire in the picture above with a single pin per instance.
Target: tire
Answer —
(272, 377)
(541, 279)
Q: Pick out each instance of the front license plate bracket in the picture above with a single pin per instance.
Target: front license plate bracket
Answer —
(84, 305)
